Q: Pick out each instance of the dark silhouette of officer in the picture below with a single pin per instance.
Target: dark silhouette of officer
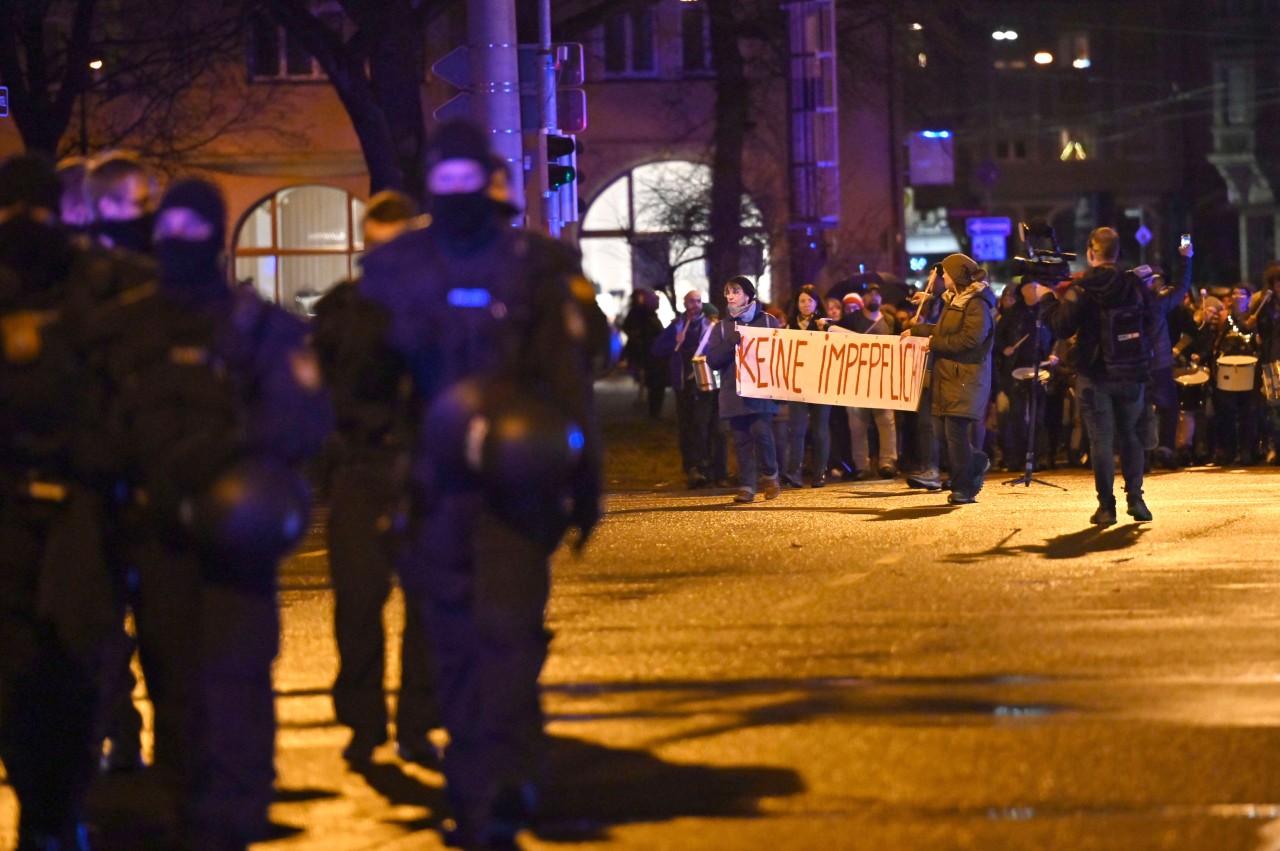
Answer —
(491, 324)
(57, 607)
(216, 399)
(368, 461)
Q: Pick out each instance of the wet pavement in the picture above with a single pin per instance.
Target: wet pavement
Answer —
(863, 666)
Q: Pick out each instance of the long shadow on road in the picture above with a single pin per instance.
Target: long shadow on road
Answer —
(595, 787)
(1093, 539)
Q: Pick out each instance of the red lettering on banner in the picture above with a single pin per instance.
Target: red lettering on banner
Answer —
(853, 357)
(876, 354)
(838, 354)
(796, 363)
(782, 356)
(744, 351)
(822, 367)
(760, 382)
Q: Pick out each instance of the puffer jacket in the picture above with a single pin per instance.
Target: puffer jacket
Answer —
(961, 346)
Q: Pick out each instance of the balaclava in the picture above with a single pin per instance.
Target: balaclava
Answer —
(188, 267)
(462, 215)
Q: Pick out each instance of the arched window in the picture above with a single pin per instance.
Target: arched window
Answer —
(649, 229)
(298, 242)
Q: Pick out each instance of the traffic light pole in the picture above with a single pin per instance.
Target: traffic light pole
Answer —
(547, 120)
(495, 74)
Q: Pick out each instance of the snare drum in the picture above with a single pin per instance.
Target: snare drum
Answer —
(1236, 372)
(1025, 373)
(1192, 382)
(1271, 382)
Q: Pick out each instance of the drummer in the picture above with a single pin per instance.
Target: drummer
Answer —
(1235, 412)
(1264, 317)
(1019, 346)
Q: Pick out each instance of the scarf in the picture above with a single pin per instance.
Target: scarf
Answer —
(746, 313)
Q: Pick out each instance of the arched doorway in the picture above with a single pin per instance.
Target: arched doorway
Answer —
(649, 229)
(298, 242)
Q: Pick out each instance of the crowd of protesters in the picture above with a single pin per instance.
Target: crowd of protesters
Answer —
(1213, 399)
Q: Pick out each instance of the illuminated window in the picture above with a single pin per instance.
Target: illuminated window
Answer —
(648, 229)
(297, 243)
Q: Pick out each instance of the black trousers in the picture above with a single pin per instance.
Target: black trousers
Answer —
(49, 685)
(485, 586)
(695, 412)
(362, 562)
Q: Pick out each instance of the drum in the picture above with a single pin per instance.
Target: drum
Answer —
(1192, 382)
(708, 379)
(1024, 373)
(1236, 372)
(1271, 382)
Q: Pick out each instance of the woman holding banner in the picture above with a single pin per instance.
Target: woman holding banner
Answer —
(961, 344)
(804, 316)
(750, 419)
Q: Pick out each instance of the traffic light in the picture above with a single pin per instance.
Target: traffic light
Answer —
(561, 161)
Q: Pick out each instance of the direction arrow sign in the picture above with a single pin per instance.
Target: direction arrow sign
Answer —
(455, 67)
(1143, 235)
(989, 226)
(4, 101)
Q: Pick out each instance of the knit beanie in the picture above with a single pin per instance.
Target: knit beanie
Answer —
(963, 270)
(202, 198)
(744, 282)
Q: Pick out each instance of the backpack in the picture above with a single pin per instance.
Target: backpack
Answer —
(1126, 335)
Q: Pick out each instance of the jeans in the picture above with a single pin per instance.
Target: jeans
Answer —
(885, 427)
(1111, 409)
(801, 416)
(754, 448)
(958, 432)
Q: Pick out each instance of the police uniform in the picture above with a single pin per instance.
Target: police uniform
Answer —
(207, 383)
(368, 458)
(58, 602)
(494, 306)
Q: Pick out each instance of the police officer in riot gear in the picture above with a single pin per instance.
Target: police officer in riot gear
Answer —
(485, 317)
(368, 463)
(55, 590)
(216, 400)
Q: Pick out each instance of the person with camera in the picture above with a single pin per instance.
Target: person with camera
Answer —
(1113, 312)
(961, 342)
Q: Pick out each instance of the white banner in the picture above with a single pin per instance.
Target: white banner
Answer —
(820, 367)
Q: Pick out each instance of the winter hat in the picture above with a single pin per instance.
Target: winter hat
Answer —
(852, 300)
(744, 282)
(963, 270)
(30, 180)
(710, 311)
(202, 198)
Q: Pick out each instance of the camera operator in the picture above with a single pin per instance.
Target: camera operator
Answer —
(1114, 314)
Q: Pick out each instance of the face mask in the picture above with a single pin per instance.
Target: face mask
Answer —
(462, 213)
(191, 268)
(133, 234)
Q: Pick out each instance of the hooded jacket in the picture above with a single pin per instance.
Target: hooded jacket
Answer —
(961, 346)
(1079, 310)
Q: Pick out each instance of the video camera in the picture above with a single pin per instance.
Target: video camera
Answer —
(1046, 263)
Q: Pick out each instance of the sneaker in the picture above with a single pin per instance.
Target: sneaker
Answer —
(1104, 516)
(981, 464)
(1138, 510)
(929, 483)
(744, 495)
(773, 487)
(954, 498)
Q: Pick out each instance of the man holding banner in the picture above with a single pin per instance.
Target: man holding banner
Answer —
(961, 344)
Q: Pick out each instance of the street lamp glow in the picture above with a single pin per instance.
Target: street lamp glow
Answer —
(1044, 57)
(96, 65)
(1005, 35)
(1081, 63)
(917, 27)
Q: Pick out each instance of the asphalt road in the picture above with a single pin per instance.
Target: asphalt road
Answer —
(864, 666)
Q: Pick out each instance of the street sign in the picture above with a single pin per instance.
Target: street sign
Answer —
(989, 248)
(1143, 235)
(455, 67)
(989, 226)
(4, 101)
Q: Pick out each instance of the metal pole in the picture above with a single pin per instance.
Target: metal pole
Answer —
(547, 120)
(495, 72)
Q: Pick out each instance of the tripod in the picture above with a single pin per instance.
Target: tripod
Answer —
(1026, 478)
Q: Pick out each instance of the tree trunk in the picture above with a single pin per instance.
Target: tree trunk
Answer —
(729, 137)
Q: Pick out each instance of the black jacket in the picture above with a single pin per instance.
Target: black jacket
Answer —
(1079, 310)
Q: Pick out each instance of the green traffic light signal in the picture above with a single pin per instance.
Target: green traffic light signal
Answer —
(559, 175)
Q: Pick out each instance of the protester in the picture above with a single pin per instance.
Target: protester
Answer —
(961, 344)
(683, 340)
(804, 316)
(750, 419)
(870, 319)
